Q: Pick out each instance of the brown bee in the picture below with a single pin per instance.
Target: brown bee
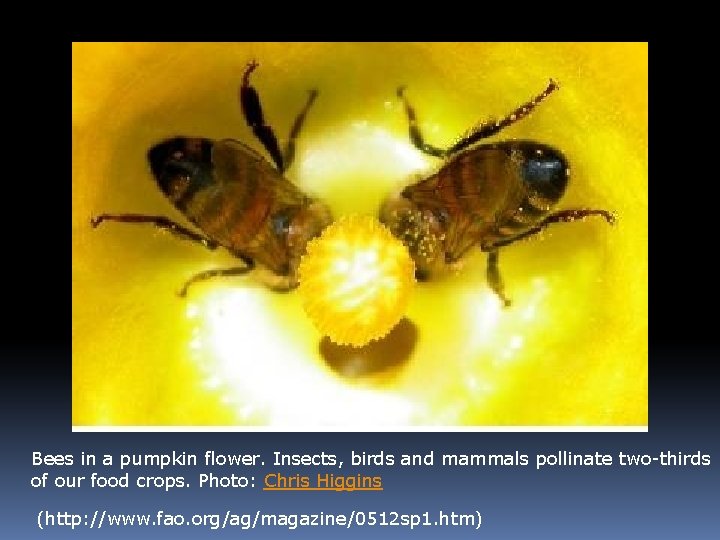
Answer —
(488, 195)
(236, 198)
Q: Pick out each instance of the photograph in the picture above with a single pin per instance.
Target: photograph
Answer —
(360, 236)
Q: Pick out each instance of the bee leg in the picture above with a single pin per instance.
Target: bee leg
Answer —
(566, 216)
(494, 279)
(208, 274)
(289, 153)
(563, 216)
(489, 128)
(415, 134)
(161, 222)
(253, 113)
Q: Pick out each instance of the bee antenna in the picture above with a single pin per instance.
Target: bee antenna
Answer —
(252, 66)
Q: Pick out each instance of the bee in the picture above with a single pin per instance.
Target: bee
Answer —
(483, 195)
(237, 199)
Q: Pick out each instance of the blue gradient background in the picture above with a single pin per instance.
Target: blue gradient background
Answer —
(515, 502)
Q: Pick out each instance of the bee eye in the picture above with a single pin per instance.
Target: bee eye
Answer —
(280, 224)
(177, 155)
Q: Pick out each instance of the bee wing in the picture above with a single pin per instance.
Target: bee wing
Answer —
(236, 163)
(472, 184)
(467, 192)
(260, 213)
(233, 161)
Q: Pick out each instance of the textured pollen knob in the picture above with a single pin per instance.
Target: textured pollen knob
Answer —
(355, 280)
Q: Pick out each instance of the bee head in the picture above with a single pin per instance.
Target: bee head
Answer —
(179, 161)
